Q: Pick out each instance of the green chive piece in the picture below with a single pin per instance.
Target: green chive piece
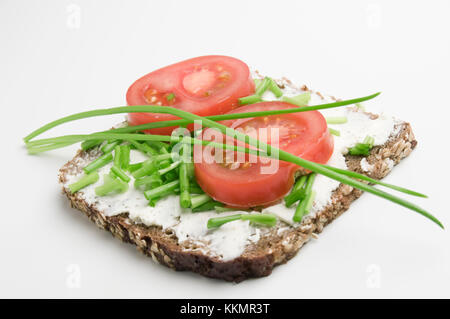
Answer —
(219, 221)
(251, 99)
(87, 145)
(162, 147)
(111, 185)
(98, 163)
(185, 196)
(124, 156)
(297, 193)
(199, 200)
(195, 189)
(336, 119)
(362, 148)
(208, 206)
(117, 155)
(162, 190)
(275, 89)
(108, 147)
(148, 167)
(144, 148)
(263, 219)
(120, 173)
(263, 86)
(299, 100)
(301, 209)
(84, 181)
(170, 97)
(134, 167)
(169, 168)
(221, 209)
(257, 82)
(148, 182)
(334, 132)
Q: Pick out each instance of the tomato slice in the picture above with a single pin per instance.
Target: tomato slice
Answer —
(244, 184)
(204, 86)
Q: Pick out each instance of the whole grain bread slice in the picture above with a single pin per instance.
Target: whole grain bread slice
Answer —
(274, 248)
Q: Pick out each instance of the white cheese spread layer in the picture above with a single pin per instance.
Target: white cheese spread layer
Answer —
(229, 241)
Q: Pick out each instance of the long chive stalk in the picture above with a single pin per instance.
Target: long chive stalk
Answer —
(283, 155)
(151, 109)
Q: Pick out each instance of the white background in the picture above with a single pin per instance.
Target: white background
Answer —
(61, 57)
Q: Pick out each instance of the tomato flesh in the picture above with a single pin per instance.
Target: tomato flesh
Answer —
(243, 184)
(204, 86)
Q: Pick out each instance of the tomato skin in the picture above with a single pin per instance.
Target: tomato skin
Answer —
(229, 79)
(307, 138)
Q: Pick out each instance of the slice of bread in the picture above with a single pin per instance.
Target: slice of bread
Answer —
(275, 246)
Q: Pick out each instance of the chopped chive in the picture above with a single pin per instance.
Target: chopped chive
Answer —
(111, 185)
(125, 156)
(299, 100)
(171, 176)
(221, 209)
(148, 167)
(297, 193)
(362, 148)
(170, 97)
(185, 196)
(275, 89)
(134, 167)
(219, 221)
(160, 146)
(162, 190)
(84, 181)
(251, 99)
(148, 182)
(195, 189)
(208, 206)
(120, 173)
(144, 148)
(300, 211)
(169, 168)
(263, 86)
(199, 200)
(108, 147)
(98, 163)
(334, 132)
(263, 219)
(87, 145)
(336, 119)
(117, 155)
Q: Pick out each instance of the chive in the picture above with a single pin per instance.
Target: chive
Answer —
(199, 200)
(195, 189)
(263, 86)
(300, 100)
(263, 219)
(297, 192)
(219, 221)
(86, 180)
(221, 209)
(251, 99)
(208, 206)
(169, 168)
(170, 97)
(336, 119)
(275, 89)
(144, 148)
(117, 155)
(124, 156)
(87, 145)
(33, 146)
(134, 167)
(334, 132)
(148, 182)
(148, 167)
(111, 185)
(185, 196)
(120, 173)
(108, 147)
(160, 146)
(98, 163)
(362, 148)
(257, 82)
(184, 121)
(302, 207)
(161, 190)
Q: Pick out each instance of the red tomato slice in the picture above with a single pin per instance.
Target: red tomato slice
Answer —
(244, 185)
(205, 86)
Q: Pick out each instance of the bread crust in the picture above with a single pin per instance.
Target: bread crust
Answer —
(274, 248)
